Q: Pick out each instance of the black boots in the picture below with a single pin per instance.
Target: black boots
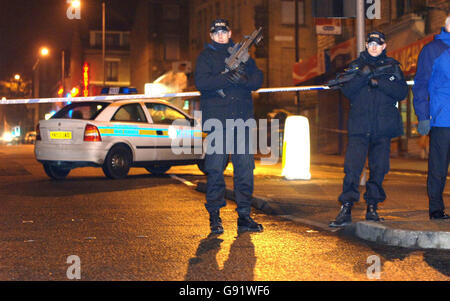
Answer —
(371, 214)
(215, 222)
(439, 215)
(247, 224)
(344, 217)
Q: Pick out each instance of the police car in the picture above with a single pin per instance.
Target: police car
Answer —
(117, 135)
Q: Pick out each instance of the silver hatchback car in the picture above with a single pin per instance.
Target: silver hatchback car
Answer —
(117, 135)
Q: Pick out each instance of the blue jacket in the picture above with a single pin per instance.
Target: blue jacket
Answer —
(432, 82)
(237, 103)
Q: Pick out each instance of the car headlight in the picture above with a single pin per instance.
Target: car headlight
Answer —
(7, 137)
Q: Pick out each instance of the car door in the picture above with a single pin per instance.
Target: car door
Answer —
(176, 137)
(130, 123)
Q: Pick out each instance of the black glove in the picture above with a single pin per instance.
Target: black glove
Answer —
(237, 76)
(367, 71)
(373, 83)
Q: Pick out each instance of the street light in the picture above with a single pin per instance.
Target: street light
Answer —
(73, 11)
(44, 51)
(17, 78)
(75, 3)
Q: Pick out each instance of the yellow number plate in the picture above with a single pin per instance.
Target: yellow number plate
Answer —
(60, 135)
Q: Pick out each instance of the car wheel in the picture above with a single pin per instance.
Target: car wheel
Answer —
(55, 172)
(117, 162)
(201, 166)
(158, 169)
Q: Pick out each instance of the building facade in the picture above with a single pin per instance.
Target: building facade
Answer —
(159, 39)
(167, 33)
(117, 61)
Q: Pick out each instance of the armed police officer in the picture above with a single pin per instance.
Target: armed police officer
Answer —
(227, 96)
(373, 121)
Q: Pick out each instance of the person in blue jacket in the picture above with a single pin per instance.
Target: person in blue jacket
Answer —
(226, 96)
(373, 121)
(432, 106)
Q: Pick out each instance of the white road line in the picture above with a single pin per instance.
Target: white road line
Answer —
(184, 181)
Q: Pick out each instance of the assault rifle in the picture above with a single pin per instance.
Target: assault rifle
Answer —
(239, 53)
(342, 78)
(349, 74)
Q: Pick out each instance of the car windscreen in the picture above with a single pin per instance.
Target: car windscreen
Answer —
(81, 110)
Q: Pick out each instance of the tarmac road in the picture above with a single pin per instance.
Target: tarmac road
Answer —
(156, 228)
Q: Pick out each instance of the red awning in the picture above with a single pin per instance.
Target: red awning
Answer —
(408, 55)
(307, 69)
(315, 66)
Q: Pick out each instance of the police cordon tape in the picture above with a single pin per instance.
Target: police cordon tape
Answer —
(161, 95)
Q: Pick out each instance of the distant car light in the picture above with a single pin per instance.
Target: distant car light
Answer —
(74, 92)
(7, 137)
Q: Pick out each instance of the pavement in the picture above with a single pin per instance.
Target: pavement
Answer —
(314, 202)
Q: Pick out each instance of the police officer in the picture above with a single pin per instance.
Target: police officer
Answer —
(227, 96)
(373, 120)
(432, 106)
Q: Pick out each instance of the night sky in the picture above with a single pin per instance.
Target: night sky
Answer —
(26, 25)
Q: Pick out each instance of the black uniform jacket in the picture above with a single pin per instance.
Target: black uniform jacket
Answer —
(373, 109)
(237, 103)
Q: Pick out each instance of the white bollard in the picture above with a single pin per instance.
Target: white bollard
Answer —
(296, 149)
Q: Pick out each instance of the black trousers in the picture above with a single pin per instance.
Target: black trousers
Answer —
(438, 161)
(377, 149)
(243, 165)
